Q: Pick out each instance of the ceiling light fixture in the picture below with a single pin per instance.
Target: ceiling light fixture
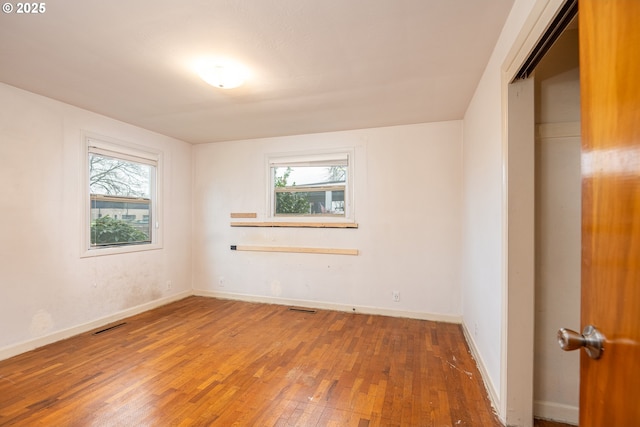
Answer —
(223, 74)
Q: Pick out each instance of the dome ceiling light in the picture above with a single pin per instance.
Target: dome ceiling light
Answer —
(223, 74)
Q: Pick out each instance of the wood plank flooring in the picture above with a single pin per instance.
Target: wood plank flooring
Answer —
(548, 423)
(203, 361)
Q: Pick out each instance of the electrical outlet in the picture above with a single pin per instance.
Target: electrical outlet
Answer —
(221, 282)
(168, 284)
(396, 296)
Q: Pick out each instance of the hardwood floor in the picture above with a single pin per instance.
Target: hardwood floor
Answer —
(546, 423)
(203, 361)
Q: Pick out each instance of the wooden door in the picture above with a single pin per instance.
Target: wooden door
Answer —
(610, 102)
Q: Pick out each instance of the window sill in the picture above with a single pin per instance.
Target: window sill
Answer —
(119, 250)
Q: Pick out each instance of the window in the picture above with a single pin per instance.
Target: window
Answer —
(315, 185)
(122, 209)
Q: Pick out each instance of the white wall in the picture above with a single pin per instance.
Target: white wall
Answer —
(484, 271)
(558, 204)
(483, 258)
(47, 290)
(482, 228)
(407, 204)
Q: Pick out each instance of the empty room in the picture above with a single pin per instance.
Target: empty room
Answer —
(319, 213)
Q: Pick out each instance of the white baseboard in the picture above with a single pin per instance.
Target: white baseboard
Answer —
(330, 306)
(556, 412)
(494, 398)
(23, 347)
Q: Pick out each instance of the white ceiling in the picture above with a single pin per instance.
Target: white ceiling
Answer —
(317, 65)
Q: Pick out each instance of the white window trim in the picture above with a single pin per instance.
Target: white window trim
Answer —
(308, 158)
(127, 151)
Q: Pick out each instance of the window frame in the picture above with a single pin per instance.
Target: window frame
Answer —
(311, 158)
(110, 147)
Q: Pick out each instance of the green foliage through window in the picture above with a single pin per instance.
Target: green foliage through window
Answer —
(290, 203)
(109, 231)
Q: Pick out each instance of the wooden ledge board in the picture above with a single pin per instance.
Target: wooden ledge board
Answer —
(296, 224)
(243, 215)
(291, 249)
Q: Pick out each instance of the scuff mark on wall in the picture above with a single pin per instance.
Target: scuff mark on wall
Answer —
(276, 288)
(141, 293)
(41, 323)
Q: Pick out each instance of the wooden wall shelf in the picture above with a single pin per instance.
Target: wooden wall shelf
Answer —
(293, 249)
(295, 224)
(243, 215)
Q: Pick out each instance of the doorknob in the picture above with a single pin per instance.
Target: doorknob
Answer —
(591, 339)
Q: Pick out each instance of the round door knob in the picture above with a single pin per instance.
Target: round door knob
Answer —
(570, 340)
(591, 339)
